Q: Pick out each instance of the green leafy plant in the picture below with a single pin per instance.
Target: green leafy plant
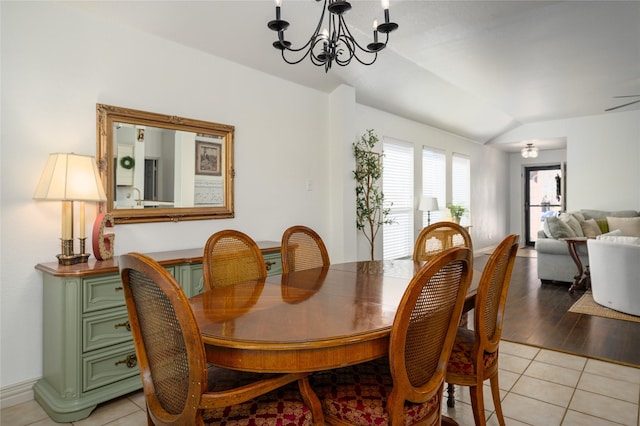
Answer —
(457, 210)
(370, 211)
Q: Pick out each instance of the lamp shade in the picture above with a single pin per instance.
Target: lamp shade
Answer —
(70, 177)
(428, 204)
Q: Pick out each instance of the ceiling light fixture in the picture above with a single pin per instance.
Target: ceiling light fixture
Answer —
(529, 151)
(335, 44)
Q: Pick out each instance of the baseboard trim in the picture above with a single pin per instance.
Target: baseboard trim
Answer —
(17, 393)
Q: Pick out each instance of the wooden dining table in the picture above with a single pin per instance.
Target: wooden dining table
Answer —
(306, 321)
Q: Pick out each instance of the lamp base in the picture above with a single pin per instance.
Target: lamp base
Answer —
(67, 260)
(68, 257)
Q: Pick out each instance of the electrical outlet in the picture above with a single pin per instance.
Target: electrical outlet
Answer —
(309, 185)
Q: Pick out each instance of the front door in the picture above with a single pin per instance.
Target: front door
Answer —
(542, 197)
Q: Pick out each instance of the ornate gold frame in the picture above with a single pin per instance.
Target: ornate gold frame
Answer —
(107, 115)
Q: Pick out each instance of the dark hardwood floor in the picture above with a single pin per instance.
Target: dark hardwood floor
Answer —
(537, 314)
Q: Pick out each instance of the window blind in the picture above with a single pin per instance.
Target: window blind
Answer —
(397, 186)
(434, 183)
(461, 184)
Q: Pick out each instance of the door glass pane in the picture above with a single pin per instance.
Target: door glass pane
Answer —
(544, 201)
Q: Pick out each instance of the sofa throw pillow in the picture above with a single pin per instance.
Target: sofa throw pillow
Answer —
(630, 226)
(558, 228)
(603, 225)
(590, 228)
(573, 222)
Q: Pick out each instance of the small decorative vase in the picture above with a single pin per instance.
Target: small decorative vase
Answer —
(456, 219)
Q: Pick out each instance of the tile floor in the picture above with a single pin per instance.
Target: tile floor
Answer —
(539, 387)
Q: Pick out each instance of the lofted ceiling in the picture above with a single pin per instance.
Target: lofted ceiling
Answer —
(472, 68)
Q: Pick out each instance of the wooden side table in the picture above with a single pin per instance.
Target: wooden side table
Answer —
(582, 280)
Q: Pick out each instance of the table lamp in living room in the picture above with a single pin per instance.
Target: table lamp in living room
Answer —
(428, 204)
(68, 178)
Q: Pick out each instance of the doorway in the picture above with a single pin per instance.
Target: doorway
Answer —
(543, 197)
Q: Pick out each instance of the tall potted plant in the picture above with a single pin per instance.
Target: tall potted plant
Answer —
(370, 211)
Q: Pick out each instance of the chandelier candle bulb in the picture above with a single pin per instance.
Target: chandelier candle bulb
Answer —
(375, 30)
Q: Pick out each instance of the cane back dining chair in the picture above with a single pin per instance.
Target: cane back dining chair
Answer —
(440, 236)
(474, 357)
(178, 387)
(231, 257)
(406, 387)
(302, 248)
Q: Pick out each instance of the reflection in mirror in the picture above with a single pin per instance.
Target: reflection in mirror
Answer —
(164, 167)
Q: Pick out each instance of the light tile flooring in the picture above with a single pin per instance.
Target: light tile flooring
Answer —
(539, 387)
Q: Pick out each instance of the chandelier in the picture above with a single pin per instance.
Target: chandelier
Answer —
(333, 42)
(529, 151)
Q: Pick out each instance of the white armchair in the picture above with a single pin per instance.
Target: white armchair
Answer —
(614, 263)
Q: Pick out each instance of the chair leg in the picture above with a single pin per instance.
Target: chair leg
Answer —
(451, 402)
(311, 399)
(495, 394)
(149, 421)
(477, 404)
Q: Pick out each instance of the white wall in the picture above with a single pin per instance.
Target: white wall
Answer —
(57, 63)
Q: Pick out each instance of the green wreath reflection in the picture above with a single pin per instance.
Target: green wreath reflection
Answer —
(127, 162)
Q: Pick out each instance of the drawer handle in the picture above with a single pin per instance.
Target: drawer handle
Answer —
(117, 289)
(123, 324)
(269, 264)
(130, 360)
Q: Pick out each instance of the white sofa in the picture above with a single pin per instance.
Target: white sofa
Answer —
(614, 262)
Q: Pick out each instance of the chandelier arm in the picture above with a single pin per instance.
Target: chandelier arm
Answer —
(309, 45)
(364, 49)
(375, 56)
(295, 61)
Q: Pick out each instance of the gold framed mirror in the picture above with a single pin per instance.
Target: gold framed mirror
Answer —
(158, 167)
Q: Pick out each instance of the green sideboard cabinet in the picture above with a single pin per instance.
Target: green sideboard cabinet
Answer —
(88, 353)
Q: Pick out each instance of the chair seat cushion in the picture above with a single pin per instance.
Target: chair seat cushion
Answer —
(460, 360)
(281, 407)
(358, 394)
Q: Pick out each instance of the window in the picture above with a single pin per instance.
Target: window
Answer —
(461, 184)
(397, 186)
(434, 181)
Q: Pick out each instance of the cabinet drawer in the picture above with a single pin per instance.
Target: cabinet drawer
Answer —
(105, 329)
(108, 366)
(102, 292)
(273, 262)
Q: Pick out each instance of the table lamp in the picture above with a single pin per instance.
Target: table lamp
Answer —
(428, 204)
(69, 178)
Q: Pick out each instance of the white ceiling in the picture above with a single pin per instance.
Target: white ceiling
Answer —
(473, 68)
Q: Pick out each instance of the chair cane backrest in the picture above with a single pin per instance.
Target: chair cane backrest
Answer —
(438, 237)
(492, 294)
(302, 248)
(169, 351)
(231, 257)
(424, 330)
